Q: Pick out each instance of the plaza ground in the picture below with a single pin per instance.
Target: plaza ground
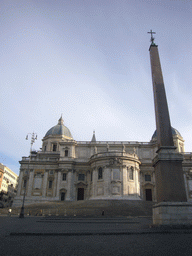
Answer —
(124, 229)
(90, 236)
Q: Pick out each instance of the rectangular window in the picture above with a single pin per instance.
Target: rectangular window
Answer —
(54, 147)
(50, 183)
(64, 176)
(100, 173)
(91, 176)
(66, 152)
(25, 183)
(81, 177)
(131, 172)
(147, 177)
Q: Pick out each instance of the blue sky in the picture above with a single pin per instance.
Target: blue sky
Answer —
(89, 61)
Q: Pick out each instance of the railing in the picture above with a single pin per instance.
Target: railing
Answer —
(40, 159)
(114, 142)
(187, 155)
(114, 153)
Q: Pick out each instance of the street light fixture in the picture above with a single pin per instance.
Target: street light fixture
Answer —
(33, 138)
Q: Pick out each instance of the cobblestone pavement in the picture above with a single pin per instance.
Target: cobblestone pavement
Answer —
(90, 236)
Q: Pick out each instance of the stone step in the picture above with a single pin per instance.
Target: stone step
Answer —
(94, 208)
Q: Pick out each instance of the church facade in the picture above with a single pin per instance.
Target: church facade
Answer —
(69, 170)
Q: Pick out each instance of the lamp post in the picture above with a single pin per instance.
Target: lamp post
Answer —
(33, 138)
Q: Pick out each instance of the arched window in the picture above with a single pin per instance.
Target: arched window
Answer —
(100, 173)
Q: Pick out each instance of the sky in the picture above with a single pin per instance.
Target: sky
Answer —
(89, 61)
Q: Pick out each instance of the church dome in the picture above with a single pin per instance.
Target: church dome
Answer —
(60, 129)
(174, 132)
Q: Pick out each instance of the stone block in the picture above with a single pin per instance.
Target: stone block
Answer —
(172, 213)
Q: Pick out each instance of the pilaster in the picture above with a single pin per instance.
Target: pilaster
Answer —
(69, 185)
(31, 174)
(94, 185)
(58, 184)
(44, 189)
(20, 182)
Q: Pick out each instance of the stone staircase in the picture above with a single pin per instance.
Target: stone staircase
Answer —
(92, 208)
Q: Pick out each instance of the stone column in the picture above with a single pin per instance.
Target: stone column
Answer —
(137, 182)
(31, 173)
(55, 183)
(124, 181)
(44, 188)
(58, 185)
(69, 185)
(107, 181)
(73, 191)
(94, 184)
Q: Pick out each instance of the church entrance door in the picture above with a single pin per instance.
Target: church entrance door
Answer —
(80, 194)
(148, 193)
(62, 196)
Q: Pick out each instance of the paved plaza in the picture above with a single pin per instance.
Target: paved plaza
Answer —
(90, 236)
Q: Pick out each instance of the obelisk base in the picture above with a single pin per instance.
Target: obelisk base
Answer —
(168, 169)
(172, 213)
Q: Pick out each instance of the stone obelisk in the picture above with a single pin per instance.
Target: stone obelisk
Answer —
(170, 187)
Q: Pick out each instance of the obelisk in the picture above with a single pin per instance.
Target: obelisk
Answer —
(170, 186)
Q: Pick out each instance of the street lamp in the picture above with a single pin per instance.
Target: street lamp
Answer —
(33, 138)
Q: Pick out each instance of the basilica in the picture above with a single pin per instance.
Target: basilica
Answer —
(68, 170)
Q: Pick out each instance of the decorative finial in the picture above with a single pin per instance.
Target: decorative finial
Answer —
(93, 138)
(61, 122)
(152, 38)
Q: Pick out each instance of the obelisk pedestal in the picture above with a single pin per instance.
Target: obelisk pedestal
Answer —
(172, 207)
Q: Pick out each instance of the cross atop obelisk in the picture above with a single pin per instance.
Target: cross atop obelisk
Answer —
(152, 38)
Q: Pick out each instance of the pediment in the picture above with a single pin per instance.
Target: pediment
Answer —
(81, 184)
